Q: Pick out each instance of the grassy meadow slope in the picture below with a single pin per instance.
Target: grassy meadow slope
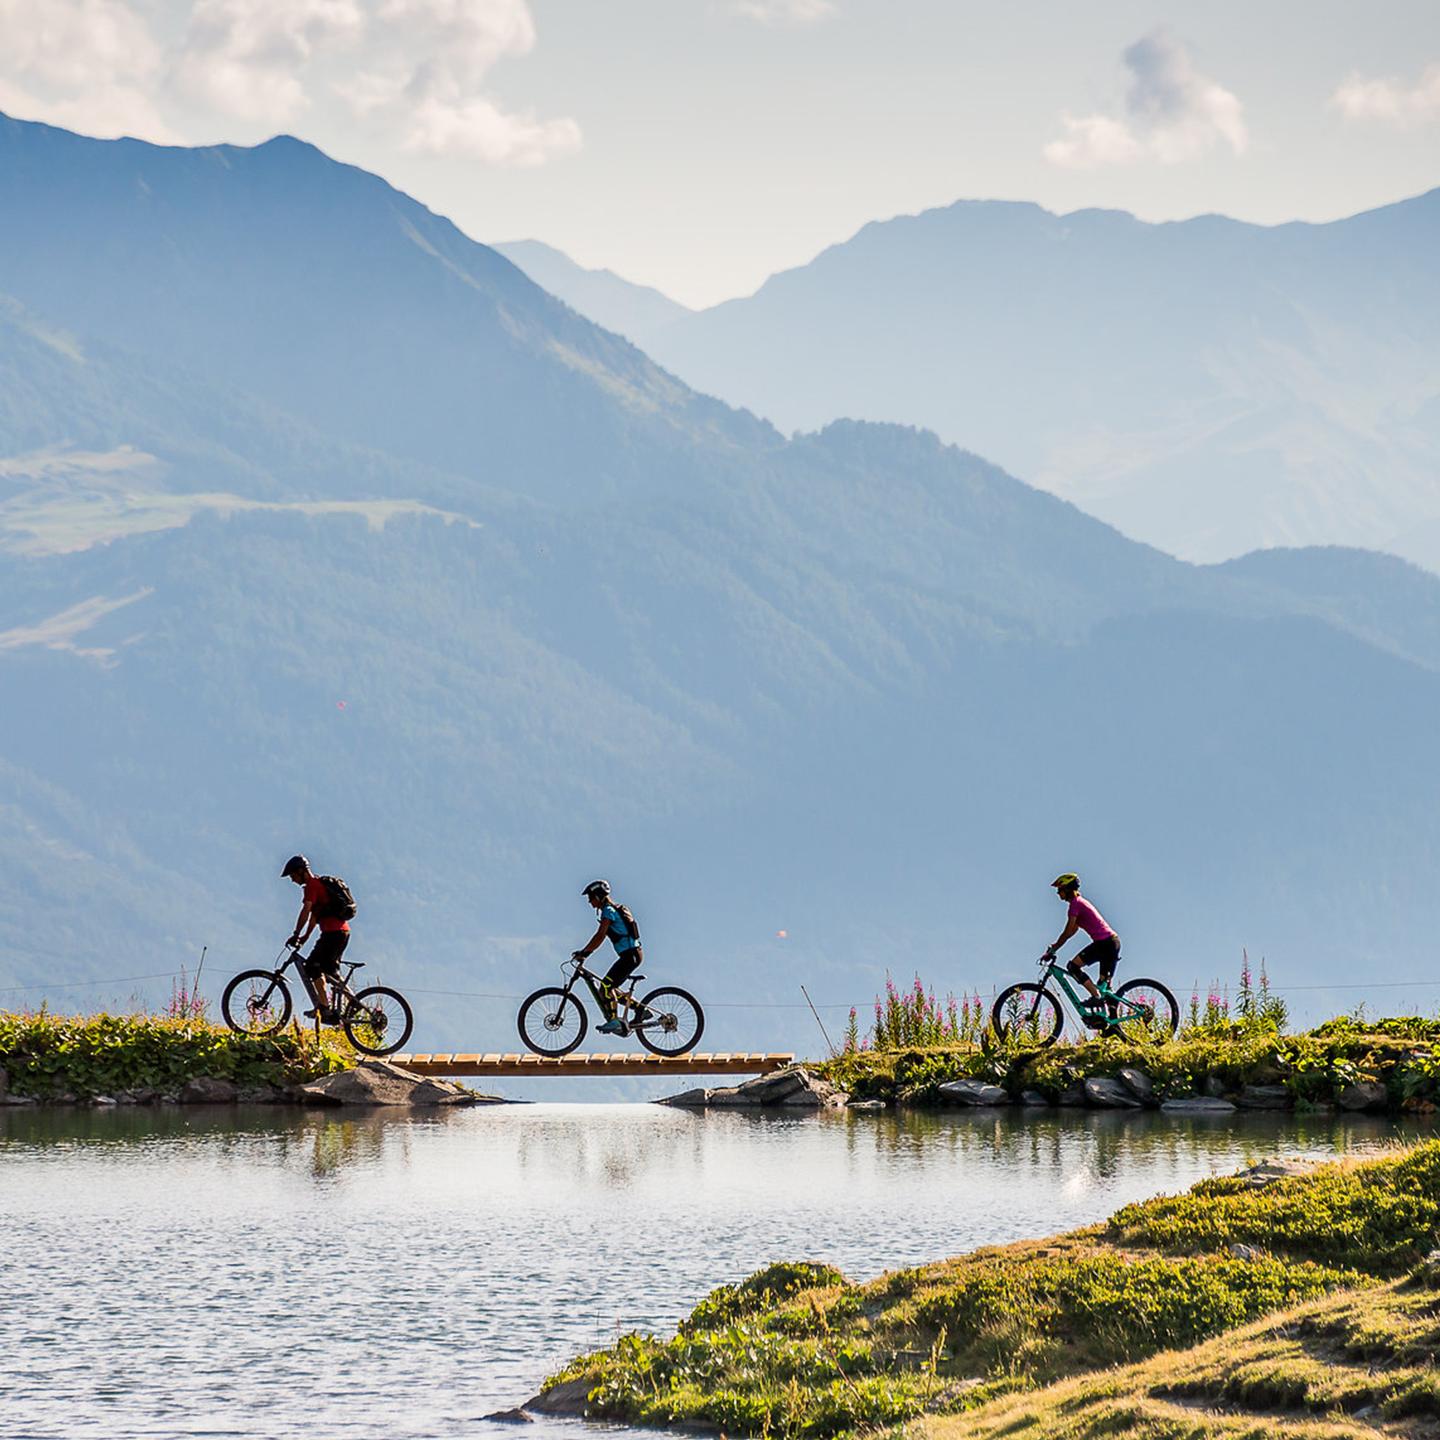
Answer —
(799, 1350)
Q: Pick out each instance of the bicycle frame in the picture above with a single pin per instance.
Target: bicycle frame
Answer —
(339, 985)
(624, 992)
(1053, 970)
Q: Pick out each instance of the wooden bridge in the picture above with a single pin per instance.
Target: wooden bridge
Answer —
(729, 1063)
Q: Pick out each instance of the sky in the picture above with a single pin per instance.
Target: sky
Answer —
(701, 145)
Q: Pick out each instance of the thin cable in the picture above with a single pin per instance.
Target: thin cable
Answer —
(77, 984)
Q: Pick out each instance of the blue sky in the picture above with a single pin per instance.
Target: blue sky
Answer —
(700, 145)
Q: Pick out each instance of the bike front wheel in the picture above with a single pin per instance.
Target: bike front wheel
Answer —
(670, 1021)
(552, 1022)
(1028, 1015)
(378, 1021)
(1145, 1012)
(256, 1002)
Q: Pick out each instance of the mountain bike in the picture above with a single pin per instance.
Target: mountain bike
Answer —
(552, 1021)
(377, 1020)
(1031, 1014)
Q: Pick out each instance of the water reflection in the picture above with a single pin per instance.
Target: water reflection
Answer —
(157, 1260)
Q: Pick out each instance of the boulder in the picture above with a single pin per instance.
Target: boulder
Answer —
(378, 1082)
(207, 1090)
(1363, 1095)
(1033, 1099)
(794, 1089)
(515, 1416)
(1108, 1094)
(102, 1100)
(567, 1398)
(1198, 1105)
(696, 1099)
(1137, 1082)
(972, 1092)
(142, 1096)
(261, 1095)
(1267, 1172)
(1072, 1096)
(1264, 1097)
(10, 1099)
(867, 1105)
(1246, 1252)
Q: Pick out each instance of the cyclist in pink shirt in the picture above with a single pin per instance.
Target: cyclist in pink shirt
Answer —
(1103, 949)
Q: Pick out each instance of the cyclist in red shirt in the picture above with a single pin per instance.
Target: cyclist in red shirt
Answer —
(324, 959)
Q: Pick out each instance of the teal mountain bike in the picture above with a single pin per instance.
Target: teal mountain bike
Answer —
(1142, 1011)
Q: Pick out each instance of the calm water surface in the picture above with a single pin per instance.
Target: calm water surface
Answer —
(278, 1274)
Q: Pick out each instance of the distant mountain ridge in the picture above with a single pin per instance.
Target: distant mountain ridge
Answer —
(1209, 386)
(323, 527)
(638, 312)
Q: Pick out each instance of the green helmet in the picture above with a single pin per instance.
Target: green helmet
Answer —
(1067, 881)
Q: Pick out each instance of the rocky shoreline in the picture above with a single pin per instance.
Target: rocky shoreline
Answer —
(1130, 1088)
(369, 1083)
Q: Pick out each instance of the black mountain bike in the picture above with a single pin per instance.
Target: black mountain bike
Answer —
(377, 1021)
(553, 1022)
(1030, 1014)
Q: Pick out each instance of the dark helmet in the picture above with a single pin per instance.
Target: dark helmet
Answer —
(597, 887)
(293, 865)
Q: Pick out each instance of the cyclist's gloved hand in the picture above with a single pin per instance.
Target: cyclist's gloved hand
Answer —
(577, 954)
(293, 942)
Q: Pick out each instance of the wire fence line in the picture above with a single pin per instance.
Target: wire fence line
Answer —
(709, 1005)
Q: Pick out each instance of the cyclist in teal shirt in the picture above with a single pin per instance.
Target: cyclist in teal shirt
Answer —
(617, 925)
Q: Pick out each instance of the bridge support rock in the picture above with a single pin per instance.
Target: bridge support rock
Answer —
(793, 1089)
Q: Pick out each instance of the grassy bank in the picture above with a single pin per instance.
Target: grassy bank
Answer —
(1334, 1064)
(799, 1350)
(66, 1058)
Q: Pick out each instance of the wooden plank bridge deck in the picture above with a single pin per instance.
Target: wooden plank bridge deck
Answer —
(728, 1063)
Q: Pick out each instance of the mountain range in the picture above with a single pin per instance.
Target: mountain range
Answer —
(1208, 386)
(323, 527)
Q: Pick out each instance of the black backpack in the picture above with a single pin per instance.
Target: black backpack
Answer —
(623, 911)
(340, 904)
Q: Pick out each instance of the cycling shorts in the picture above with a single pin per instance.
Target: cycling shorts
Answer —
(1105, 953)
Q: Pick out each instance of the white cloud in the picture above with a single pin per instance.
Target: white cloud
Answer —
(479, 127)
(1172, 113)
(1389, 99)
(83, 63)
(248, 58)
(434, 87)
(415, 72)
(783, 12)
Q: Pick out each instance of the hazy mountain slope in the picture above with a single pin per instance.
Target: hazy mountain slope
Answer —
(1377, 597)
(859, 687)
(1208, 386)
(638, 312)
(241, 267)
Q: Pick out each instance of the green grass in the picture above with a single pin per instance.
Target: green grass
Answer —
(798, 1350)
(1356, 1363)
(50, 1056)
(1403, 1054)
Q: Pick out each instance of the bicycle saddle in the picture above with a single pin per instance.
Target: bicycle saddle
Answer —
(636, 979)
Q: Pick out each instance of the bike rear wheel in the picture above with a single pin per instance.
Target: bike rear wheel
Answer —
(552, 1022)
(1145, 1012)
(378, 1020)
(670, 1021)
(256, 1002)
(1028, 1015)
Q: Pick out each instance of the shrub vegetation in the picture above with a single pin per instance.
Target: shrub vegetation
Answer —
(49, 1057)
